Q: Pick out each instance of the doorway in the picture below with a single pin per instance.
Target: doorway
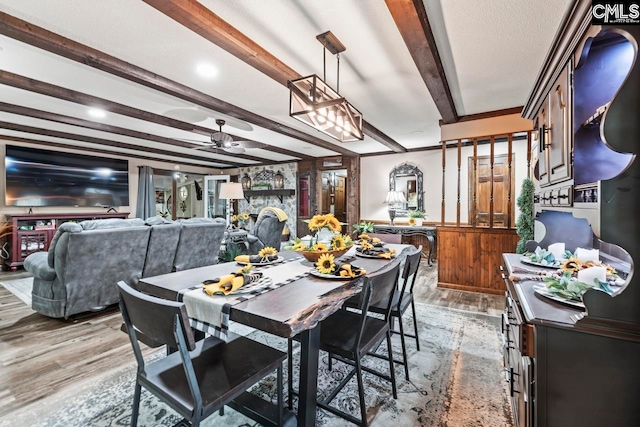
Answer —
(334, 193)
(490, 190)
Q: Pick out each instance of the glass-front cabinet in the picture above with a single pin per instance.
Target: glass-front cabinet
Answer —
(214, 206)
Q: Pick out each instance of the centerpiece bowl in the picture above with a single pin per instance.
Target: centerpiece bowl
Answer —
(314, 256)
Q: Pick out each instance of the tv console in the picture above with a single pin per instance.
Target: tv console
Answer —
(33, 233)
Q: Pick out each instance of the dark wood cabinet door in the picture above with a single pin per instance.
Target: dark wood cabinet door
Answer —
(543, 140)
(560, 129)
(501, 181)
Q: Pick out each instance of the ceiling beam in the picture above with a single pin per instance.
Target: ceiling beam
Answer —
(201, 20)
(98, 150)
(33, 35)
(88, 124)
(48, 89)
(101, 141)
(411, 19)
(487, 115)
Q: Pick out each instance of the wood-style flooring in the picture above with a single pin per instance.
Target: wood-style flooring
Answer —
(41, 356)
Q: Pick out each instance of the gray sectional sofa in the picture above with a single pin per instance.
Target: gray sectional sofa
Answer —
(85, 260)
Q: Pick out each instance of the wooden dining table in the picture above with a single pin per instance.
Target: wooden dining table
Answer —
(296, 308)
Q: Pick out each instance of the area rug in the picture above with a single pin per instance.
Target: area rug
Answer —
(456, 380)
(20, 288)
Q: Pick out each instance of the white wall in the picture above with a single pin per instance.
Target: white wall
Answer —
(133, 182)
(375, 183)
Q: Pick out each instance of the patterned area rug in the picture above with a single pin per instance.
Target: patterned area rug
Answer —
(456, 380)
(21, 288)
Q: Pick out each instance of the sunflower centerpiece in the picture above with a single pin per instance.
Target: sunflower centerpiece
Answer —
(327, 239)
(328, 265)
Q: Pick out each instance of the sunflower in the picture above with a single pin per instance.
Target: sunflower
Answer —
(245, 216)
(326, 264)
(338, 242)
(299, 246)
(572, 264)
(266, 252)
(245, 270)
(347, 240)
(333, 223)
(364, 236)
(317, 222)
(366, 245)
(234, 218)
(320, 247)
(412, 221)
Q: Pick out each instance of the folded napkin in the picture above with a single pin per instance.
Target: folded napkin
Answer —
(255, 259)
(388, 255)
(229, 283)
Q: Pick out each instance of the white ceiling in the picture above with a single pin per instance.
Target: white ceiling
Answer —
(491, 52)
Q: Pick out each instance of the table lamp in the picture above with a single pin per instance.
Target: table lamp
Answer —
(393, 198)
(231, 191)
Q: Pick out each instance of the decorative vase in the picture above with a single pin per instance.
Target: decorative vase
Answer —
(324, 235)
(418, 222)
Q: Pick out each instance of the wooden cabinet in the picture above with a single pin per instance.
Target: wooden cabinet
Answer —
(34, 233)
(555, 136)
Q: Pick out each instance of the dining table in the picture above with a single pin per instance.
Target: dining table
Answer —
(295, 308)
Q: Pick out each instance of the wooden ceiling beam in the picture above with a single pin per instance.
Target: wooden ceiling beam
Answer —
(48, 89)
(202, 21)
(411, 19)
(100, 141)
(33, 35)
(98, 151)
(74, 121)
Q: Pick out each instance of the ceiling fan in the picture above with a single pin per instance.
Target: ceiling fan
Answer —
(223, 141)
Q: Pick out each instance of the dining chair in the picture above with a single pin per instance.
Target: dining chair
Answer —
(401, 302)
(348, 336)
(201, 377)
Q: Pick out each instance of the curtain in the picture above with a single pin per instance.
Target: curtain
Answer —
(146, 206)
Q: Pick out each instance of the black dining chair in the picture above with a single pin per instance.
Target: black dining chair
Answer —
(348, 336)
(401, 302)
(201, 377)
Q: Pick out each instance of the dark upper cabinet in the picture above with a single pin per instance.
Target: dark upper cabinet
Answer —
(559, 143)
(542, 123)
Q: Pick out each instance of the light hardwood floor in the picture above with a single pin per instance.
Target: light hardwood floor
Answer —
(42, 356)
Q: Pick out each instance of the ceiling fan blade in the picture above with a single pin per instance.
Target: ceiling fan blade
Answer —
(234, 150)
(198, 145)
(250, 144)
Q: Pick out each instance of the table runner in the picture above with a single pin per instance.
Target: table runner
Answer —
(210, 314)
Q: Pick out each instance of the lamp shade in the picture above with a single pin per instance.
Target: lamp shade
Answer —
(395, 197)
(231, 190)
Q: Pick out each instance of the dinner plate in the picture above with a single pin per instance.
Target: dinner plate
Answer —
(361, 255)
(316, 273)
(544, 291)
(526, 260)
(257, 264)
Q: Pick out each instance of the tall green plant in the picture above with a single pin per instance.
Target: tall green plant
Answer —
(524, 226)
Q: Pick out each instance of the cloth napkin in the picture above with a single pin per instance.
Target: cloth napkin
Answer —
(255, 259)
(282, 216)
(229, 283)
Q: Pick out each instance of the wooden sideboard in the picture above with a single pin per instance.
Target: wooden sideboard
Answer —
(33, 233)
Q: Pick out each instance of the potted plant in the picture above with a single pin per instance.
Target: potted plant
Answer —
(416, 216)
(363, 227)
(524, 226)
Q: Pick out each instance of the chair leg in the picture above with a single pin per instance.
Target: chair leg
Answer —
(330, 362)
(290, 373)
(415, 324)
(363, 408)
(280, 397)
(221, 411)
(136, 405)
(404, 349)
(392, 370)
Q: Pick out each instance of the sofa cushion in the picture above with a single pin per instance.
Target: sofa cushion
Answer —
(161, 251)
(157, 220)
(38, 265)
(67, 227)
(98, 224)
(199, 243)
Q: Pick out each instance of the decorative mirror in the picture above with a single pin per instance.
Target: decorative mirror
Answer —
(407, 179)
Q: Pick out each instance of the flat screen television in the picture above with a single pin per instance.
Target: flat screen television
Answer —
(35, 177)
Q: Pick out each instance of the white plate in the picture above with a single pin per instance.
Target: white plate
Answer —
(542, 290)
(316, 273)
(526, 260)
(277, 260)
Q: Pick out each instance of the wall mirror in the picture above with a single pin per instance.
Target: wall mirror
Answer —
(407, 179)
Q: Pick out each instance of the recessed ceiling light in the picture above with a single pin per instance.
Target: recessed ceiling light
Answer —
(207, 70)
(307, 147)
(97, 113)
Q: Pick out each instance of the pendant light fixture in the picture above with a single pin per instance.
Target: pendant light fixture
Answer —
(313, 102)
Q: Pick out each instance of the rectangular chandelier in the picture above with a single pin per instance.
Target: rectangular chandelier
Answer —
(316, 104)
